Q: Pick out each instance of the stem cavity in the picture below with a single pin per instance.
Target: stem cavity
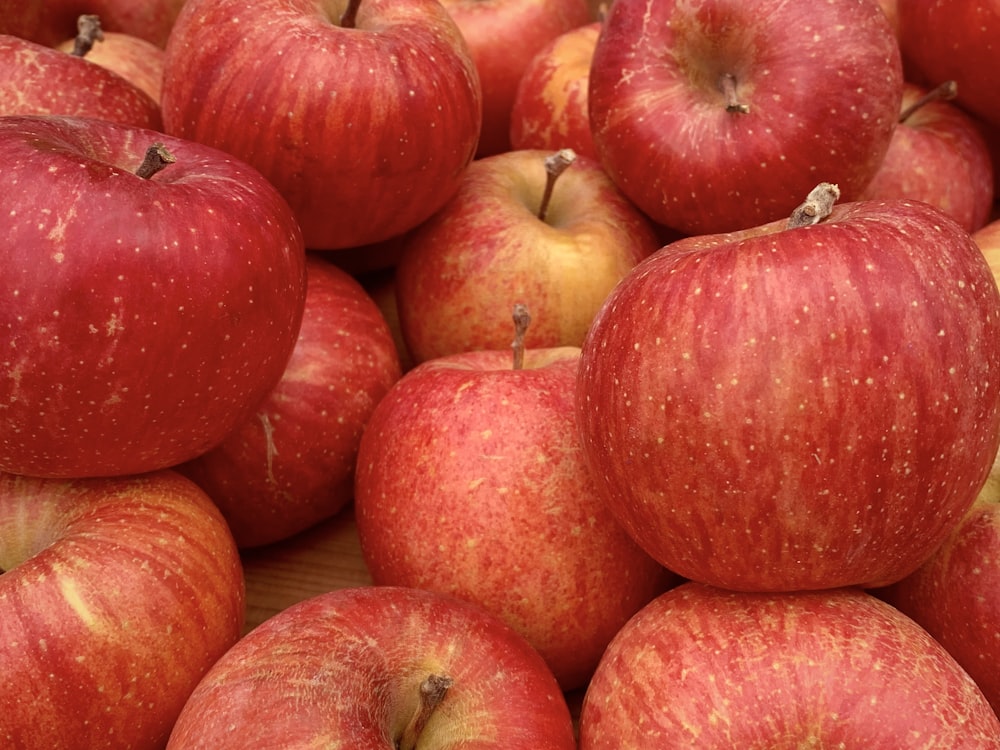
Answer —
(727, 85)
(157, 158)
(88, 31)
(522, 319)
(555, 165)
(432, 692)
(941, 93)
(816, 207)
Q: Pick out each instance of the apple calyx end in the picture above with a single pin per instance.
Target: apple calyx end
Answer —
(88, 31)
(432, 692)
(157, 158)
(727, 85)
(817, 206)
(522, 319)
(555, 165)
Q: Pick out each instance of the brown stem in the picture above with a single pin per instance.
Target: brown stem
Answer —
(941, 93)
(349, 19)
(816, 207)
(727, 85)
(157, 158)
(555, 165)
(432, 692)
(522, 319)
(88, 31)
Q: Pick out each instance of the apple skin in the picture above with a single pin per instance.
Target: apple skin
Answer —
(366, 131)
(51, 21)
(955, 595)
(291, 465)
(938, 155)
(797, 409)
(503, 36)
(117, 596)
(516, 524)
(460, 271)
(987, 238)
(133, 58)
(550, 108)
(342, 671)
(144, 319)
(42, 80)
(704, 667)
(823, 84)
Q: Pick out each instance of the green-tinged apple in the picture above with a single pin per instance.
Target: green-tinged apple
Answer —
(378, 667)
(291, 464)
(955, 595)
(802, 405)
(49, 22)
(944, 40)
(151, 295)
(116, 596)
(503, 36)
(707, 668)
(35, 79)
(937, 155)
(516, 523)
(363, 113)
(717, 115)
(549, 230)
(550, 109)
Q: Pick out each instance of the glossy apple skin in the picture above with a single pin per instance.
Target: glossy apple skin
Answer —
(52, 21)
(550, 109)
(143, 319)
(41, 80)
(133, 58)
(117, 596)
(461, 271)
(291, 465)
(938, 155)
(342, 670)
(503, 36)
(823, 84)
(516, 523)
(797, 409)
(944, 40)
(955, 595)
(365, 131)
(703, 667)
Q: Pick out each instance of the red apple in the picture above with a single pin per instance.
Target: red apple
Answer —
(516, 523)
(944, 40)
(364, 118)
(35, 79)
(716, 115)
(378, 667)
(145, 316)
(550, 105)
(937, 155)
(49, 22)
(798, 406)
(291, 464)
(460, 271)
(117, 595)
(703, 667)
(987, 238)
(955, 595)
(381, 285)
(503, 36)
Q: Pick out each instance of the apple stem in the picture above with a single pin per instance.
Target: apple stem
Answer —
(350, 17)
(522, 319)
(157, 158)
(88, 31)
(816, 207)
(941, 93)
(555, 165)
(432, 692)
(727, 84)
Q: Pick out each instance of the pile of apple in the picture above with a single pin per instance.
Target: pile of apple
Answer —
(654, 347)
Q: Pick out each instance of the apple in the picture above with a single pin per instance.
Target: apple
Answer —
(117, 596)
(42, 80)
(937, 155)
(945, 40)
(145, 313)
(550, 109)
(381, 286)
(363, 115)
(549, 230)
(516, 523)
(52, 21)
(955, 595)
(291, 464)
(133, 58)
(797, 405)
(503, 36)
(704, 667)
(717, 115)
(378, 667)
(987, 238)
